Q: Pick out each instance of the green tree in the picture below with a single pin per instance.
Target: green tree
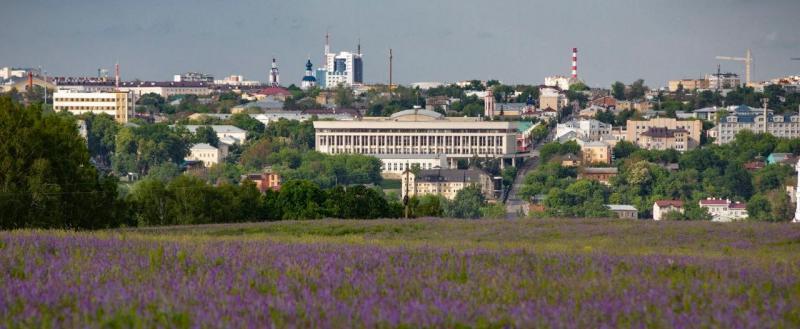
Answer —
(618, 90)
(101, 134)
(206, 134)
(343, 97)
(623, 149)
(46, 179)
(466, 204)
(301, 199)
(151, 200)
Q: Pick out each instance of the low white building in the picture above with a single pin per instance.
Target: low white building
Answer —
(116, 104)
(205, 153)
(662, 207)
(393, 165)
(585, 129)
(559, 81)
(724, 210)
(226, 133)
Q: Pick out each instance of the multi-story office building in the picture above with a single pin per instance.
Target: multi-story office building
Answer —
(344, 68)
(747, 118)
(419, 132)
(665, 133)
(446, 182)
(116, 104)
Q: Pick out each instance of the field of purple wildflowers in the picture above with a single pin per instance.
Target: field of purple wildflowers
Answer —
(420, 273)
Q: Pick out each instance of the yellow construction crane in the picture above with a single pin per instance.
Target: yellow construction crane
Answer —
(748, 61)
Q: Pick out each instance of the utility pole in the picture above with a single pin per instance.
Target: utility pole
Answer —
(405, 197)
(765, 101)
(390, 73)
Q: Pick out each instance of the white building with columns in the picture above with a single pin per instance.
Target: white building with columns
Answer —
(422, 133)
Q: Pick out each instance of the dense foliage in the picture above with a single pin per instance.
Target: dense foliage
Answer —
(711, 171)
(46, 179)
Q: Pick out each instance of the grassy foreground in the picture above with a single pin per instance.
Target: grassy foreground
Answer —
(394, 273)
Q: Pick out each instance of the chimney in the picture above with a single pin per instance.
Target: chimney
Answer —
(116, 76)
(574, 63)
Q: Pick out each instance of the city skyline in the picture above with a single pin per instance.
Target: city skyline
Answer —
(447, 41)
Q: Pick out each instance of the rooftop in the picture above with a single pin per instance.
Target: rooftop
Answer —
(450, 175)
(662, 132)
(621, 207)
(600, 170)
(667, 203)
(202, 146)
(228, 129)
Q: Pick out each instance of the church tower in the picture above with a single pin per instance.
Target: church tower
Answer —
(309, 80)
(274, 77)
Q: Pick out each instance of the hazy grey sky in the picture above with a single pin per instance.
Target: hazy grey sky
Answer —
(433, 40)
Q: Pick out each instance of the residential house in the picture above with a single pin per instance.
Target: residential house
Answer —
(665, 133)
(724, 210)
(596, 153)
(278, 93)
(205, 153)
(662, 207)
(624, 211)
(267, 180)
(600, 174)
(570, 160)
(607, 102)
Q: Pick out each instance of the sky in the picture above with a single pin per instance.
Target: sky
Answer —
(432, 40)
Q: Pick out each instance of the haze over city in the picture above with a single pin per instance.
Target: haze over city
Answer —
(513, 41)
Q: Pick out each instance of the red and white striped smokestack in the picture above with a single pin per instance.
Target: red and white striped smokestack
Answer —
(575, 63)
(116, 75)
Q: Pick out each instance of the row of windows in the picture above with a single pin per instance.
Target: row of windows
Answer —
(411, 140)
(438, 150)
(393, 166)
(85, 108)
(416, 131)
(59, 99)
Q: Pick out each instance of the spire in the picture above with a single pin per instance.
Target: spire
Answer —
(359, 46)
(327, 43)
